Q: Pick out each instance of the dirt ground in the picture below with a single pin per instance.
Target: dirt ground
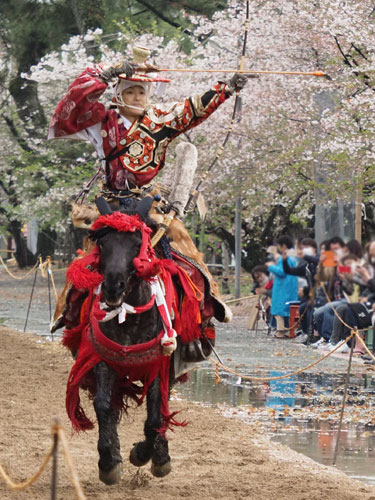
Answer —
(213, 457)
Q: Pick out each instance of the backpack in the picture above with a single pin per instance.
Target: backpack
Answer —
(362, 313)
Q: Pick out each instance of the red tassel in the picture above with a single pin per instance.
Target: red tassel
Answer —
(81, 276)
(190, 319)
(145, 268)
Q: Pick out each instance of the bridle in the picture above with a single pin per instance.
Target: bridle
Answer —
(146, 267)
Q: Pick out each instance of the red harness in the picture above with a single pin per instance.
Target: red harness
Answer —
(139, 362)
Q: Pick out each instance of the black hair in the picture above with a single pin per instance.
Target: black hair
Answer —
(309, 242)
(350, 256)
(355, 248)
(260, 269)
(332, 241)
(285, 240)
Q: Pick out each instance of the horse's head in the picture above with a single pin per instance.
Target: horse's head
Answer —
(119, 244)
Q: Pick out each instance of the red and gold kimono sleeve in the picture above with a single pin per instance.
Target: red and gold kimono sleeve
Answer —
(79, 108)
(182, 116)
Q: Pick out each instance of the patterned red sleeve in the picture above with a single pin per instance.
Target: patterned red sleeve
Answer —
(79, 108)
(185, 115)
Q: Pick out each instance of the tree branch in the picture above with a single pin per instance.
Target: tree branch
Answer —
(163, 18)
(13, 130)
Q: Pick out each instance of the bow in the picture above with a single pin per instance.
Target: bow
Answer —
(194, 195)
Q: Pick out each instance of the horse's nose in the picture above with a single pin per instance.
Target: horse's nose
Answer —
(113, 288)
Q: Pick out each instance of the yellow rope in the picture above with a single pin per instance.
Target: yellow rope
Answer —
(240, 298)
(366, 348)
(56, 430)
(73, 473)
(336, 313)
(19, 277)
(46, 268)
(25, 484)
(52, 277)
(266, 379)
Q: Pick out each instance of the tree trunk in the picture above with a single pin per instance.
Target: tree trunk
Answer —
(23, 255)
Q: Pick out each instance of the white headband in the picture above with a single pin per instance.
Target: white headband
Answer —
(122, 85)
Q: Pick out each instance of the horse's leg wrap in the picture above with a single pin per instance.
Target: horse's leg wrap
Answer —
(108, 443)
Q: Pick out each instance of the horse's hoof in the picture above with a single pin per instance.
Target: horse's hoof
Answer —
(112, 476)
(161, 470)
(137, 450)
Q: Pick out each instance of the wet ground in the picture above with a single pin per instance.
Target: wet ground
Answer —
(302, 411)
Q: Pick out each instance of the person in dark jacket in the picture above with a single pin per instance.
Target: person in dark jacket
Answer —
(305, 269)
(358, 314)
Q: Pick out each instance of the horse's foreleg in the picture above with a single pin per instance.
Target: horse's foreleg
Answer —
(108, 443)
(155, 445)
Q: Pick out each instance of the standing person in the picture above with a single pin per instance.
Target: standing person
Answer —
(285, 286)
(306, 268)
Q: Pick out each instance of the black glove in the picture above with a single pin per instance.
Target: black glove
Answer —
(119, 69)
(238, 81)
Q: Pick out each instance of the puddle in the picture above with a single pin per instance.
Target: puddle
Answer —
(302, 413)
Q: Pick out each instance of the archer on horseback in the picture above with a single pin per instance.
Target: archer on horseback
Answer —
(131, 142)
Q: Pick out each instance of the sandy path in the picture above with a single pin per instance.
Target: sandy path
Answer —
(213, 458)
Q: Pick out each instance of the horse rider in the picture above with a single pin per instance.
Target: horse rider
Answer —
(131, 140)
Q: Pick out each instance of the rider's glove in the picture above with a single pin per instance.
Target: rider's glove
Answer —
(119, 69)
(238, 81)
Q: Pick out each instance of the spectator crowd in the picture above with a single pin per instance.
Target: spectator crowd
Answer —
(333, 286)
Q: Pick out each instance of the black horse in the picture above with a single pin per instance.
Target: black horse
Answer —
(117, 252)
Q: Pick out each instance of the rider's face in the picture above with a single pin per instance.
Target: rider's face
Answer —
(136, 99)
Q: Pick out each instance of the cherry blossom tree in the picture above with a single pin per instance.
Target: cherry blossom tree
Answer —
(286, 128)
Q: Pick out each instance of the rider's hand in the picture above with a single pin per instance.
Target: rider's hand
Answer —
(238, 81)
(118, 69)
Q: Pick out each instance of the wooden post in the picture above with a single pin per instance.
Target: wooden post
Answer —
(347, 380)
(358, 213)
(238, 248)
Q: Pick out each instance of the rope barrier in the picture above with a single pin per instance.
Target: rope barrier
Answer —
(46, 268)
(336, 313)
(280, 377)
(366, 348)
(57, 432)
(69, 460)
(25, 484)
(19, 277)
(240, 298)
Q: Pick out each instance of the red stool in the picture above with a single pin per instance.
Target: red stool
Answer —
(293, 319)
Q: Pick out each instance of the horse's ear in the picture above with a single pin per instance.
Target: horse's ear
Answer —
(144, 206)
(103, 206)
